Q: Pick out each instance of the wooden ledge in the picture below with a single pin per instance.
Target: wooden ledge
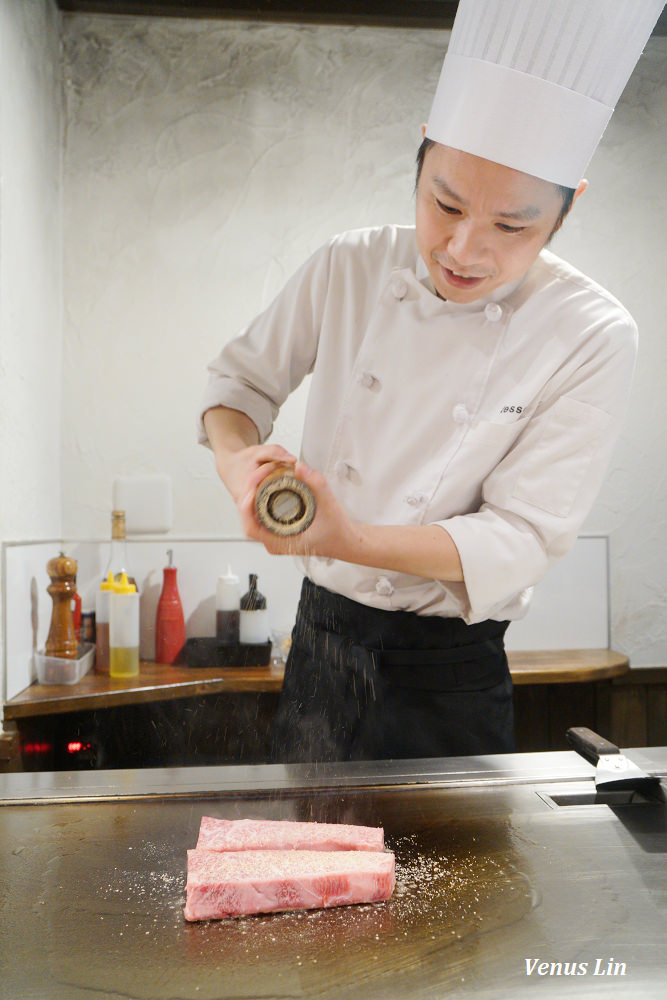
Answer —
(158, 682)
(566, 666)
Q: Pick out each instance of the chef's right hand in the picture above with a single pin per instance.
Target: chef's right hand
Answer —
(234, 439)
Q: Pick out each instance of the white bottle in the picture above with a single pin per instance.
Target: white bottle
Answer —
(254, 624)
(227, 608)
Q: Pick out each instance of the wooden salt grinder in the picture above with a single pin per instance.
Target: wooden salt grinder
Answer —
(62, 639)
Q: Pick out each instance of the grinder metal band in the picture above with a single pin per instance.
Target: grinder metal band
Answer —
(284, 504)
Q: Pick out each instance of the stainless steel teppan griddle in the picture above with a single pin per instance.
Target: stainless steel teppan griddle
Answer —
(501, 861)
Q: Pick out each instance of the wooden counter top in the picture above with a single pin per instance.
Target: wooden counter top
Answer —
(157, 682)
(566, 666)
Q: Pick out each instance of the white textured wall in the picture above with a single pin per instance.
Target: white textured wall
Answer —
(205, 160)
(30, 271)
(617, 235)
(30, 268)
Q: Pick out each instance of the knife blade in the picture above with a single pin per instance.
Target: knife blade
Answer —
(613, 770)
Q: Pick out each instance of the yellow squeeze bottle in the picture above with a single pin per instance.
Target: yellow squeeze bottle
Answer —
(123, 629)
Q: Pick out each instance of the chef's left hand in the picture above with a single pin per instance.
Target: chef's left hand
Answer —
(329, 535)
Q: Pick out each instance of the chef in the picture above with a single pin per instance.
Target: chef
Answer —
(467, 389)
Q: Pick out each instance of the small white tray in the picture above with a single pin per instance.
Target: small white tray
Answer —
(58, 670)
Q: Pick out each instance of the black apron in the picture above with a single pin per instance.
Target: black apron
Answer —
(362, 683)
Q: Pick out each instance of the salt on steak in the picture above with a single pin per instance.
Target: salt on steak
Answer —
(276, 835)
(239, 883)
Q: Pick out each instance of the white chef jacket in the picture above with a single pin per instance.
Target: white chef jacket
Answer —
(495, 419)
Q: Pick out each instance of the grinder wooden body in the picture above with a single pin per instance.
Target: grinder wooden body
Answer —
(283, 503)
(62, 640)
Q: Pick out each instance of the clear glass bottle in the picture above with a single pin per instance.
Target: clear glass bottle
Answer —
(118, 561)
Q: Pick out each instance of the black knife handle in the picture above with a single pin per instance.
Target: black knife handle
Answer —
(589, 744)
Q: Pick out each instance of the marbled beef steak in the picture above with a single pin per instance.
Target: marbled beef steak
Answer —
(239, 883)
(275, 835)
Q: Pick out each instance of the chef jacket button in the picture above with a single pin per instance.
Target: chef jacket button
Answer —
(367, 380)
(399, 287)
(384, 587)
(460, 414)
(416, 499)
(493, 312)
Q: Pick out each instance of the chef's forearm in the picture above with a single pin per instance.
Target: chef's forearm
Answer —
(229, 431)
(426, 550)
(239, 455)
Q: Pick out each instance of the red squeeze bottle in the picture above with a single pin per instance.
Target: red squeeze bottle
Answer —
(169, 622)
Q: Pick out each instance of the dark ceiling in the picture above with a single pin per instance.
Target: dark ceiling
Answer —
(404, 13)
(392, 13)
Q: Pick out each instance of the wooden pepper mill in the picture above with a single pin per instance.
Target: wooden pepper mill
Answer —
(62, 639)
(283, 503)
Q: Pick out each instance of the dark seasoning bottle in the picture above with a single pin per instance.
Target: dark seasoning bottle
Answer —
(254, 622)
